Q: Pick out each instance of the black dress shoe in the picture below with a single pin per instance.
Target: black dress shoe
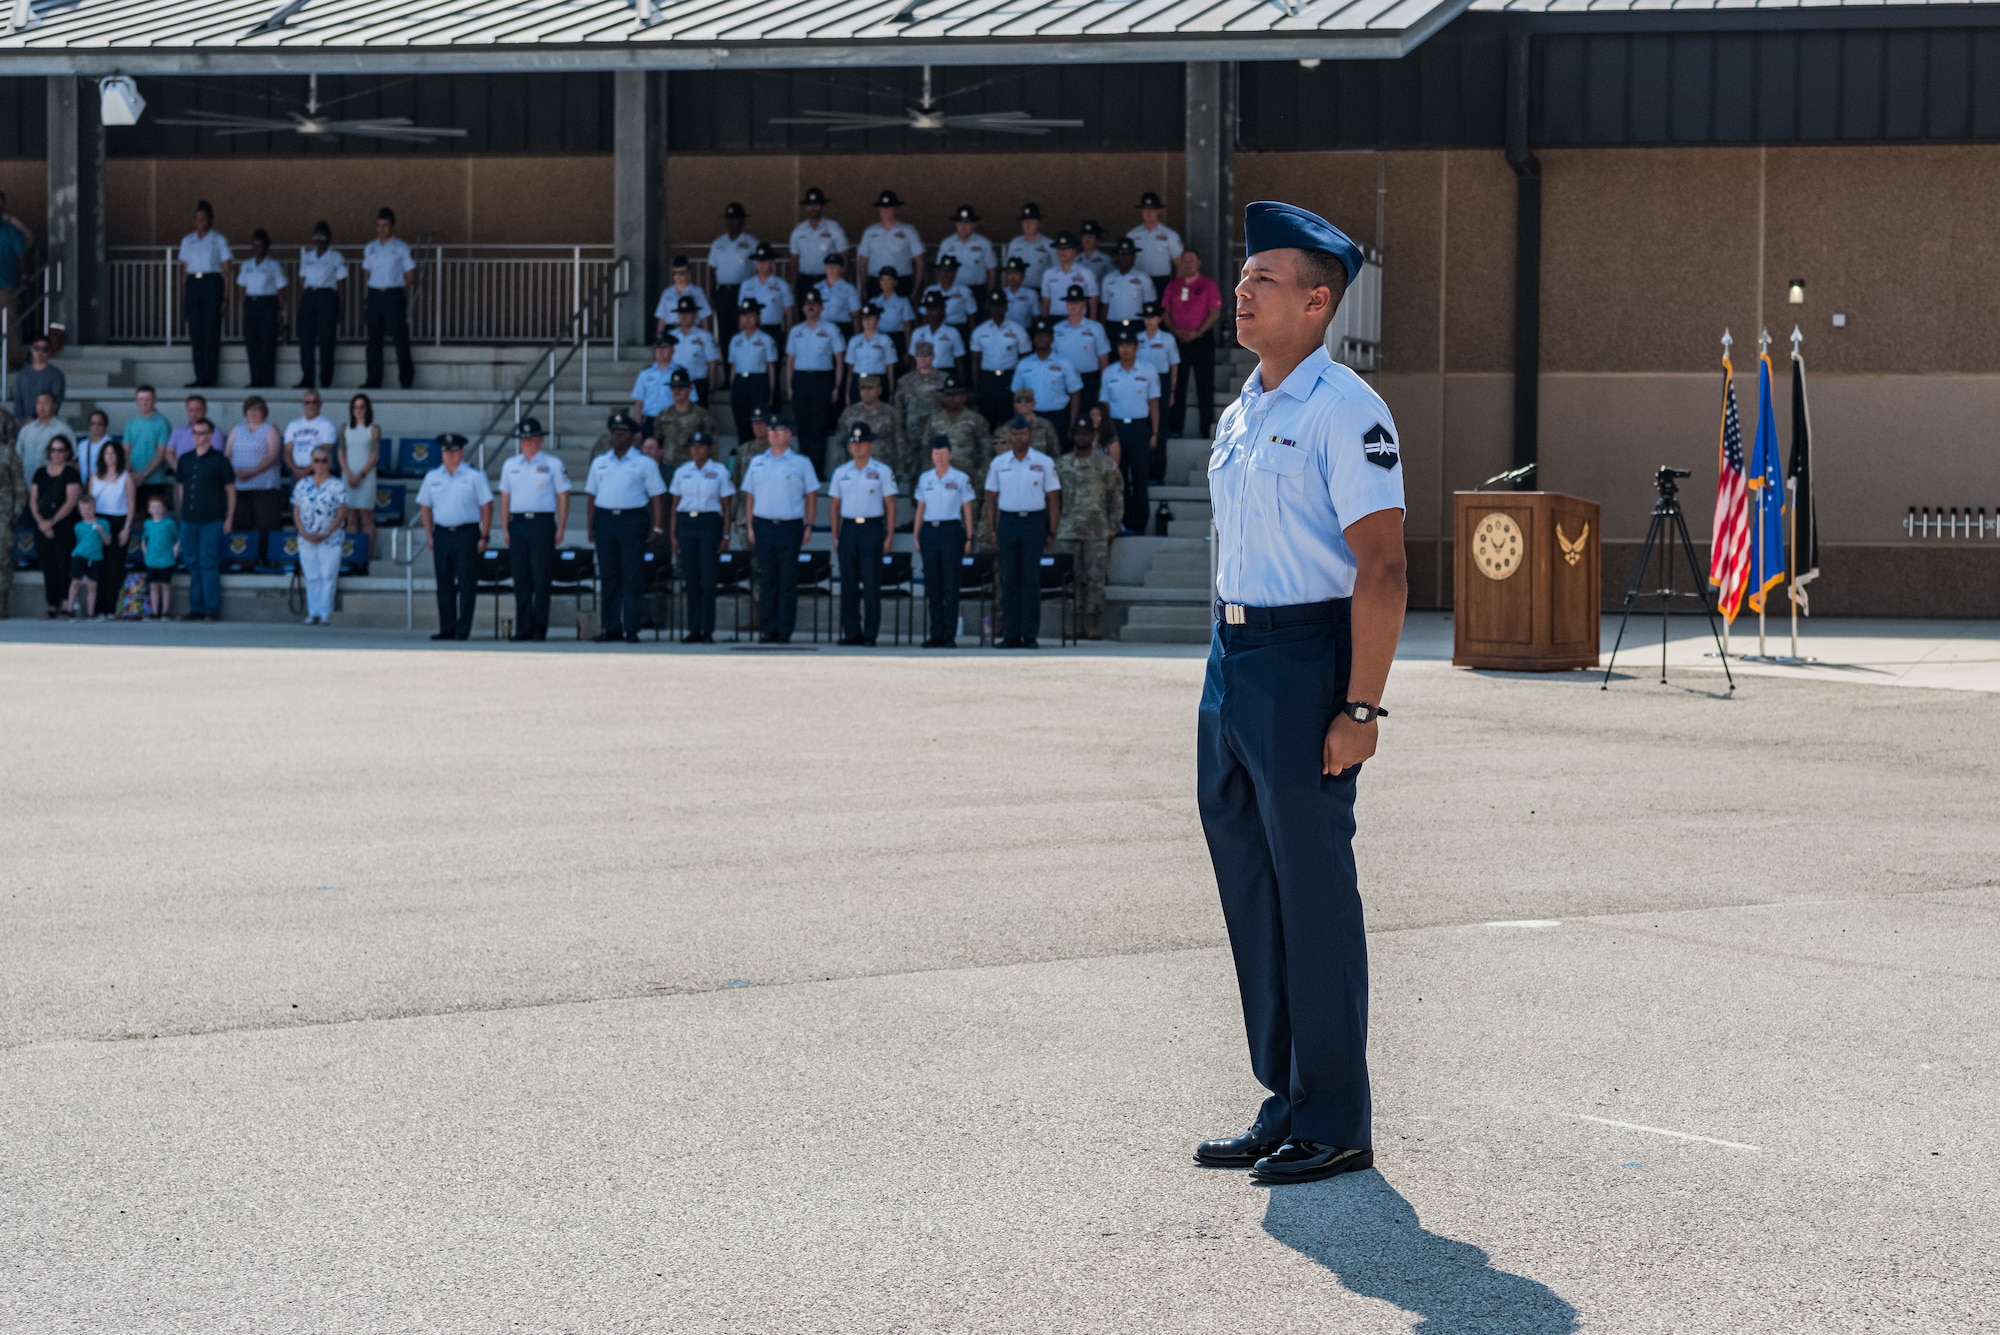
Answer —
(520, 637)
(1308, 1161)
(631, 637)
(444, 635)
(1031, 644)
(850, 641)
(305, 384)
(606, 637)
(1235, 1151)
(1009, 643)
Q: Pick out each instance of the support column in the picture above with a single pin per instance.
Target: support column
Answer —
(639, 193)
(76, 209)
(1527, 262)
(1209, 223)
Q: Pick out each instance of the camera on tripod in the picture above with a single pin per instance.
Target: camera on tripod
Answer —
(1664, 480)
(1668, 524)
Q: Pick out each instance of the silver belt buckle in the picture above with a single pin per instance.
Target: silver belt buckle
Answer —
(1232, 614)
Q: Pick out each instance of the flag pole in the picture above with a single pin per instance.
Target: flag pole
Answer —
(1728, 621)
(1792, 533)
(1763, 556)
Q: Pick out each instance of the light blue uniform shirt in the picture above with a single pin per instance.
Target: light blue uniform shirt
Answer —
(975, 255)
(897, 313)
(860, 490)
(812, 243)
(1053, 381)
(838, 301)
(651, 389)
(1128, 393)
(321, 271)
(1126, 294)
(868, 355)
(778, 483)
(385, 263)
(1057, 281)
(729, 257)
(1099, 264)
(942, 496)
(700, 490)
(695, 350)
(752, 354)
(889, 248)
(1039, 254)
(1000, 346)
(260, 278)
(670, 303)
(1291, 468)
(946, 346)
(813, 347)
(1022, 307)
(960, 307)
(1081, 344)
(774, 294)
(532, 485)
(204, 254)
(1161, 351)
(624, 484)
(455, 498)
(1022, 485)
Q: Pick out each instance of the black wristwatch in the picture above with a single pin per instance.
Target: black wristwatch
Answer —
(1361, 713)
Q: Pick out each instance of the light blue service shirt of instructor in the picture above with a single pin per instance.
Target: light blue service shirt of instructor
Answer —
(624, 484)
(1292, 467)
(778, 483)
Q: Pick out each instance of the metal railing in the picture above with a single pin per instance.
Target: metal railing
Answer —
(46, 282)
(461, 294)
(542, 378)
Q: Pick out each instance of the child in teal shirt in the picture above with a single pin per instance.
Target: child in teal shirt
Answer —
(161, 536)
(85, 558)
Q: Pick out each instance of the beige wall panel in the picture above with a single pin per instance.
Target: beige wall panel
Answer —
(523, 201)
(1646, 255)
(1472, 414)
(1418, 409)
(1902, 240)
(1884, 443)
(1479, 430)
(1479, 265)
(1604, 435)
(26, 185)
(1069, 187)
(131, 191)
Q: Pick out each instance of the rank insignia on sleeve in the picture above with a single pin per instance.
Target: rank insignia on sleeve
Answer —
(1380, 447)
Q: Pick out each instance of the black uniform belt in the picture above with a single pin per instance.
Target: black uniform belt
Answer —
(1277, 618)
(533, 514)
(459, 528)
(940, 523)
(628, 510)
(1128, 421)
(1023, 514)
(859, 519)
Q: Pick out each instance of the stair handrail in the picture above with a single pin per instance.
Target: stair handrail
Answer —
(48, 279)
(616, 282)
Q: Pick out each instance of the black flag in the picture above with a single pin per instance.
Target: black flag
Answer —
(1805, 523)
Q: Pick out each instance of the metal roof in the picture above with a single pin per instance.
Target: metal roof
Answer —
(1710, 6)
(387, 36)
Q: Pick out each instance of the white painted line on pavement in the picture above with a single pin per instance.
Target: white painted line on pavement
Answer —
(1525, 922)
(1662, 1131)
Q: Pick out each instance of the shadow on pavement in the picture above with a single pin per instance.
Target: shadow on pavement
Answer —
(1360, 1228)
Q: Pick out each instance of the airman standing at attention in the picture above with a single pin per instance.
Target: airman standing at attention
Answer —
(650, 388)
(946, 346)
(1024, 508)
(1083, 343)
(919, 393)
(943, 526)
(1032, 248)
(814, 363)
(837, 298)
(695, 349)
(871, 352)
(698, 531)
(961, 308)
(680, 285)
(1041, 432)
(1054, 381)
(678, 422)
(1093, 256)
(897, 312)
(729, 256)
(891, 243)
(1159, 349)
(1126, 291)
(863, 493)
(783, 491)
(1132, 397)
(816, 237)
(1066, 276)
(534, 511)
(1159, 245)
(1093, 499)
(879, 416)
(753, 373)
(1024, 303)
(997, 347)
(975, 254)
(772, 294)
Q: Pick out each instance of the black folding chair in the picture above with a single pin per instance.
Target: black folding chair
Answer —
(494, 574)
(657, 588)
(816, 586)
(899, 591)
(976, 574)
(575, 576)
(734, 583)
(1058, 577)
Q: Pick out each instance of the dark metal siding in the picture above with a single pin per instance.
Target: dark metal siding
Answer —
(24, 118)
(1450, 92)
(1127, 108)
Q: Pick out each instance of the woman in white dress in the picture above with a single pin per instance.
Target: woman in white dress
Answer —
(317, 501)
(361, 451)
(116, 495)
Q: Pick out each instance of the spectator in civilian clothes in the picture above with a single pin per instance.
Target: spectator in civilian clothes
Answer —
(1194, 308)
(39, 376)
(161, 535)
(33, 439)
(254, 449)
(317, 502)
(181, 439)
(57, 488)
(86, 559)
(116, 499)
(146, 454)
(361, 454)
(206, 505)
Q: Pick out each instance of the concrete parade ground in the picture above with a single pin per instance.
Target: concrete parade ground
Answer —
(357, 984)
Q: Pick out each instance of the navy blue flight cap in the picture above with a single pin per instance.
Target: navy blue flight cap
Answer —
(941, 443)
(621, 421)
(702, 438)
(663, 339)
(1020, 423)
(861, 433)
(1269, 225)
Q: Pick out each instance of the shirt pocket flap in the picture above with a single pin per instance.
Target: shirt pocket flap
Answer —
(1284, 460)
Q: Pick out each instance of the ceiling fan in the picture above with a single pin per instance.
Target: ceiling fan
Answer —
(313, 124)
(928, 117)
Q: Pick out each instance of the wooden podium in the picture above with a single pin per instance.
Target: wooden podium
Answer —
(1527, 581)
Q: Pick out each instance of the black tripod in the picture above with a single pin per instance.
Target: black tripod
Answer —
(1666, 507)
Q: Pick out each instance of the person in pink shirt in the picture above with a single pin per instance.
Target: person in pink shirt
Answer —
(1194, 309)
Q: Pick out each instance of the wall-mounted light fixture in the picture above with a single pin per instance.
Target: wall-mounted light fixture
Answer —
(119, 102)
(1311, 63)
(1796, 292)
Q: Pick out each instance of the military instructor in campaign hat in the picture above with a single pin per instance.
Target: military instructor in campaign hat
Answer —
(1307, 486)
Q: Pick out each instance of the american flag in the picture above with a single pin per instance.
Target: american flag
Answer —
(1729, 552)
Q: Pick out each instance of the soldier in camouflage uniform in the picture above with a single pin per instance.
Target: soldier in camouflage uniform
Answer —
(13, 499)
(882, 419)
(679, 420)
(918, 395)
(1093, 503)
(971, 450)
